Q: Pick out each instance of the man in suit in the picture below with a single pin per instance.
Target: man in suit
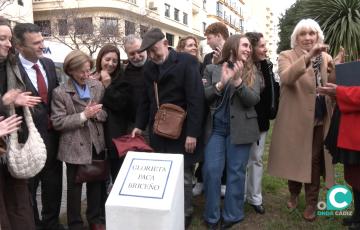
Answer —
(178, 79)
(40, 78)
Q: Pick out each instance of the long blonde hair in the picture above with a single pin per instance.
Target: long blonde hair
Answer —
(230, 52)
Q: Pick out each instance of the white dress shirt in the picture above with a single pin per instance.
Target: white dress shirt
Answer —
(31, 72)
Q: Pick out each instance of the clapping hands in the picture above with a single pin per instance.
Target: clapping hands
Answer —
(20, 98)
(235, 73)
(92, 109)
(9, 125)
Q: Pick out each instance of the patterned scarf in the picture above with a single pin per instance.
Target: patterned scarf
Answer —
(316, 63)
(320, 106)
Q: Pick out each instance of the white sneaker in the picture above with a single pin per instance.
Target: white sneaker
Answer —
(223, 190)
(198, 188)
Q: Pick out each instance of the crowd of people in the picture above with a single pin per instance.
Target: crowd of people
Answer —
(229, 97)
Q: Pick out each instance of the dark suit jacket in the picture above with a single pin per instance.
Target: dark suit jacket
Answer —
(179, 83)
(41, 112)
(207, 61)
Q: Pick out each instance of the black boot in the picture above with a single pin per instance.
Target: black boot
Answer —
(356, 215)
(354, 220)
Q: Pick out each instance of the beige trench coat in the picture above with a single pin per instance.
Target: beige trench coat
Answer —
(291, 145)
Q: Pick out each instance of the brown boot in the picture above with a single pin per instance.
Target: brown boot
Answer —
(293, 201)
(310, 213)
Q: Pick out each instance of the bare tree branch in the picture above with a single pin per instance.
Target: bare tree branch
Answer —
(78, 29)
(5, 3)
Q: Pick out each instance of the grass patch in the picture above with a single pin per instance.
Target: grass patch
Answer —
(277, 216)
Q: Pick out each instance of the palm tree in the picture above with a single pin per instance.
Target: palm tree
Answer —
(340, 21)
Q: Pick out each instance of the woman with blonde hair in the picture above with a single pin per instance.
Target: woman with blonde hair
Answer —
(189, 44)
(232, 90)
(78, 115)
(296, 151)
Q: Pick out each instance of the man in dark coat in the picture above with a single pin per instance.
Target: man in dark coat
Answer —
(179, 83)
(39, 76)
(134, 71)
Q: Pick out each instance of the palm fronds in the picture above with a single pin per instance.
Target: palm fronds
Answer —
(340, 21)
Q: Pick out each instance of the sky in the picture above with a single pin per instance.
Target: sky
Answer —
(281, 5)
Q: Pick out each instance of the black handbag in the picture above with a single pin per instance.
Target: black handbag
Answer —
(274, 87)
(98, 170)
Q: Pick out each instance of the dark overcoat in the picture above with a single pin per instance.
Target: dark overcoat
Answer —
(179, 82)
(117, 103)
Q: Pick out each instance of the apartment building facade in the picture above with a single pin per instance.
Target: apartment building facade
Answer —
(260, 17)
(17, 10)
(229, 12)
(88, 24)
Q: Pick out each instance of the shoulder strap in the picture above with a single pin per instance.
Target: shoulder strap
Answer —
(156, 94)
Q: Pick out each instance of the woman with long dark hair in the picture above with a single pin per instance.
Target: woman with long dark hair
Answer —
(116, 101)
(107, 65)
(15, 207)
(266, 110)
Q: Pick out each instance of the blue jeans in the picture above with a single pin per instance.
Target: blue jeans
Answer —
(217, 150)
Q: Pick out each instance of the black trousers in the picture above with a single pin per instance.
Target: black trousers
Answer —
(50, 178)
(93, 196)
(356, 195)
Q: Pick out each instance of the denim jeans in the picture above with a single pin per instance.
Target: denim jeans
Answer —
(219, 149)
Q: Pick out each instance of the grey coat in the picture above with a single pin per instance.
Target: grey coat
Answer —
(244, 128)
(77, 138)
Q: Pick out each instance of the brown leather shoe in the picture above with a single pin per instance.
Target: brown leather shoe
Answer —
(293, 201)
(97, 227)
(310, 213)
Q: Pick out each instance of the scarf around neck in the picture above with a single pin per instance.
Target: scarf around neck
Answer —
(83, 91)
(316, 63)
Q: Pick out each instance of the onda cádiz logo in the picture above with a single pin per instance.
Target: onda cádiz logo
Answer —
(338, 198)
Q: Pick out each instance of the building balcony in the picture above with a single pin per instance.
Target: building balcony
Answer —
(238, 29)
(48, 5)
(227, 4)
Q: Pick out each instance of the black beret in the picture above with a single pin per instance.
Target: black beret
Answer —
(150, 38)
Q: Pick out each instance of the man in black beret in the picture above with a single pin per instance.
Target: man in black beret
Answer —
(179, 82)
